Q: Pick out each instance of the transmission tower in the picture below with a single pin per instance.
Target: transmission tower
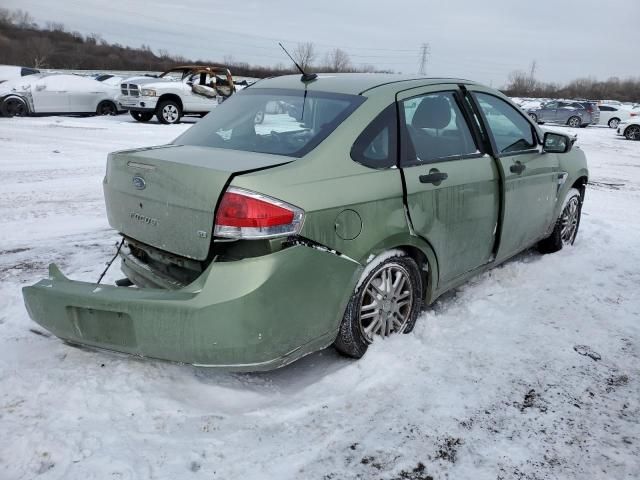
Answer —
(425, 50)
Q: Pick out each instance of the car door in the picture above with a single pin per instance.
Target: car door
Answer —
(530, 176)
(85, 94)
(549, 112)
(50, 95)
(194, 102)
(452, 186)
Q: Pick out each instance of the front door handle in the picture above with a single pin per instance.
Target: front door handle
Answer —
(434, 177)
(517, 168)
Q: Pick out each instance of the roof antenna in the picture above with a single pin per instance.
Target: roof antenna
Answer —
(306, 77)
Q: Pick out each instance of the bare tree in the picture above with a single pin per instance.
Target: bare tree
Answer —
(304, 54)
(338, 61)
(23, 19)
(39, 49)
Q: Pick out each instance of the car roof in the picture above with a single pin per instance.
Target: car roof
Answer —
(353, 83)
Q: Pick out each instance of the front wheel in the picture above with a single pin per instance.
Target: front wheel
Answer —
(386, 301)
(141, 116)
(169, 112)
(574, 122)
(566, 228)
(533, 117)
(14, 107)
(632, 132)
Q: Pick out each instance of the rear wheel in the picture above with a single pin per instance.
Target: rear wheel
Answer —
(106, 107)
(141, 116)
(613, 123)
(632, 132)
(566, 228)
(387, 301)
(574, 122)
(259, 118)
(14, 107)
(169, 112)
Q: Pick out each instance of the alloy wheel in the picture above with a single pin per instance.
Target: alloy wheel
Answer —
(574, 122)
(633, 133)
(569, 221)
(14, 108)
(613, 123)
(170, 113)
(386, 303)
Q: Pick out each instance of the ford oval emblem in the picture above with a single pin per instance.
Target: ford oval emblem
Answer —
(139, 182)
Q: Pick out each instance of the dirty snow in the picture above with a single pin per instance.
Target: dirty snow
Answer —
(530, 371)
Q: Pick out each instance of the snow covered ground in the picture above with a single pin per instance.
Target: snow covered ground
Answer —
(530, 371)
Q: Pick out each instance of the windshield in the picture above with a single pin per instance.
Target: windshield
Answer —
(276, 121)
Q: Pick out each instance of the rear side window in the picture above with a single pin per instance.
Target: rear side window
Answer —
(377, 145)
(604, 108)
(511, 131)
(435, 129)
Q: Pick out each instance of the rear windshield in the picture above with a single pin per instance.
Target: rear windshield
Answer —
(276, 121)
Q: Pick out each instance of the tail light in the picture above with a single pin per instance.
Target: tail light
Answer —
(243, 214)
(633, 114)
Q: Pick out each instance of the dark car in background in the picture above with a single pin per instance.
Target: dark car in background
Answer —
(567, 112)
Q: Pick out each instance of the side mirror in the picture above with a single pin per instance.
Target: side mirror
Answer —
(556, 143)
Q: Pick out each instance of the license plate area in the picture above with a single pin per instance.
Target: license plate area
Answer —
(103, 326)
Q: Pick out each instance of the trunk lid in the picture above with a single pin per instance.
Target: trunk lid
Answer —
(166, 196)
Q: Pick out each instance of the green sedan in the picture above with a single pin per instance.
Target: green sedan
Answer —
(354, 202)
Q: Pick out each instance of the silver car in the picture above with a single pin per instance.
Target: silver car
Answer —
(572, 113)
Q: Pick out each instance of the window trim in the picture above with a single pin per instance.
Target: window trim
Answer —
(404, 137)
(494, 147)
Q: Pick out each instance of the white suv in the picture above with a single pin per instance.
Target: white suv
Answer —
(191, 89)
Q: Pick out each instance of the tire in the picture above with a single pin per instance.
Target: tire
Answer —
(259, 118)
(613, 123)
(106, 107)
(141, 116)
(566, 228)
(14, 107)
(574, 122)
(533, 117)
(632, 132)
(169, 112)
(395, 312)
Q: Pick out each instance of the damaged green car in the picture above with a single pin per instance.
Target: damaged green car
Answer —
(350, 204)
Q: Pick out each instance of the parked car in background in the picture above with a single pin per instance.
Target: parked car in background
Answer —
(42, 94)
(612, 115)
(630, 129)
(566, 112)
(109, 79)
(247, 246)
(10, 72)
(191, 89)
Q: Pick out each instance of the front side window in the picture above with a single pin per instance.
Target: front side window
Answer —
(550, 105)
(276, 121)
(435, 129)
(511, 131)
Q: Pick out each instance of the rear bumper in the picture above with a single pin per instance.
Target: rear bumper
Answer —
(248, 315)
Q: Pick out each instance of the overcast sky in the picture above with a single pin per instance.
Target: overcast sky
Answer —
(482, 41)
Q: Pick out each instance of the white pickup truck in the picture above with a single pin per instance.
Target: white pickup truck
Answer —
(191, 89)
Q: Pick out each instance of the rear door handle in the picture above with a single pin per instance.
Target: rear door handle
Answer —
(434, 177)
(517, 168)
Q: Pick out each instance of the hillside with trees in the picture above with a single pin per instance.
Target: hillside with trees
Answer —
(24, 42)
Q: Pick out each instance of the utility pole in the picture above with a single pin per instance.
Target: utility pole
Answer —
(425, 50)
